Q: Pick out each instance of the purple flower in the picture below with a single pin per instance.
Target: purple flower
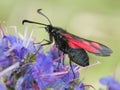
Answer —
(44, 73)
(110, 82)
(20, 47)
(14, 49)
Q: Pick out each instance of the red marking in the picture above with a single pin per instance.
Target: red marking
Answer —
(67, 35)
(96, 45)
(85, 42)
(76, 44)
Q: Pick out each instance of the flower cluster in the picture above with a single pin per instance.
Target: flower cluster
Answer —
(25, 66)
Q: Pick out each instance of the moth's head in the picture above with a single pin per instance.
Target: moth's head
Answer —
(49, 28)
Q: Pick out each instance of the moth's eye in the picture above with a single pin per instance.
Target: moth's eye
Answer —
(46, 28)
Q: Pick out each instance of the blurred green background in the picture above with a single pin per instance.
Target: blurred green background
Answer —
(97, 20)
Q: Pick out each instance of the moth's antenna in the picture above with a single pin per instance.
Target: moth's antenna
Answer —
(28, 21)
(39, 12)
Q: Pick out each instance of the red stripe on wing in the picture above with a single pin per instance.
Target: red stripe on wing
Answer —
(74, 43)
(96, 45)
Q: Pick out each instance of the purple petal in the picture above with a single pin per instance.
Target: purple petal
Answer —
(12, 39)
(79, 87)
(53, 52)
(2, 87)
(4, 42)
(110, 82)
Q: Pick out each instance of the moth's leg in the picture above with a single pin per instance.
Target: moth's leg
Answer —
(59, 61)
(48, 42)
(72, 69)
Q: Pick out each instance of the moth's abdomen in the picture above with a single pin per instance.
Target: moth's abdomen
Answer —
(79, 56)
